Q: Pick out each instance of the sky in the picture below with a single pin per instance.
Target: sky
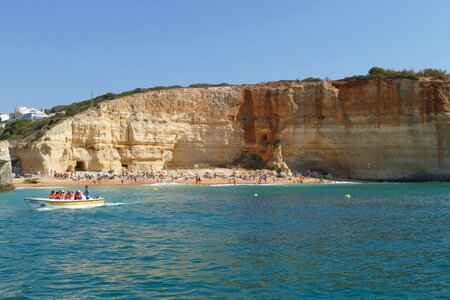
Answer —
(56, 52)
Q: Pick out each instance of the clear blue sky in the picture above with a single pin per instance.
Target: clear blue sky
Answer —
(56, 52)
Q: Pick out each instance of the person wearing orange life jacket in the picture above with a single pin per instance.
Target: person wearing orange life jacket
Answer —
(59, 195)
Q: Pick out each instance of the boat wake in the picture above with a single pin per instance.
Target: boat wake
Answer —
(115, 203)
(343, 182)
(82, 206)
(68, 207)
(165, 184)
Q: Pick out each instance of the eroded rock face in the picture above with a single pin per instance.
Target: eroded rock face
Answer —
(5, 167)
(386, 129)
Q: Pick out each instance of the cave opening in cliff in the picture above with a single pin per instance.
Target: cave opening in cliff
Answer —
(264, 139)
(80, 166)
(250, 160)
(15, 163)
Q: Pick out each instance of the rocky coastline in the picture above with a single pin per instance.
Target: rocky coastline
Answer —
(6, 182)
(368, 129)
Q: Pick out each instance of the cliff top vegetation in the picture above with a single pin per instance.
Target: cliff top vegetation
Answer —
(377, 72)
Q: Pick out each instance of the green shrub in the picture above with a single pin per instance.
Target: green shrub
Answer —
(16, 128)
(6, 187)
(38, 134)
(430, 72)
(34, 129)
(162, 88)
(380, 72)
(312, 79)
(357, 77)
(377, 71)
(46, 149)
(409, 74)
(206, 85)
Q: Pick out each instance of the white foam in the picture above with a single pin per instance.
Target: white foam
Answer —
(47, 208)
(244, 184)
(342, 182)
(115, 203)
(164, 184)
(50, 208)
(68, 207)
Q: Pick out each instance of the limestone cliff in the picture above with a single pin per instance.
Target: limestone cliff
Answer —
(379, 129)
(5, 167)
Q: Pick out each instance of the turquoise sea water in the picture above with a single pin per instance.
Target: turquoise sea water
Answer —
(198, 242)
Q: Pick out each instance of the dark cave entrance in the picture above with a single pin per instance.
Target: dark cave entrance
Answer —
(81, 166)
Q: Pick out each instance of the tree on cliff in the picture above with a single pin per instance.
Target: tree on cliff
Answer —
(380, 72)
(389, 73)
(430, 72)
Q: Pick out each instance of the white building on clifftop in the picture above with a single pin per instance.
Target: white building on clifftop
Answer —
(3, 119)
(23, 112)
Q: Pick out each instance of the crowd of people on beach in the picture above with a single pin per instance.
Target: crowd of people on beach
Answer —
(61, 175)
(198, 176)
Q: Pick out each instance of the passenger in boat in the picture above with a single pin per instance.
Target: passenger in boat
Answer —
(86, 192)
(69, 195)
(59, 195)
(80, 195)
(52, 195)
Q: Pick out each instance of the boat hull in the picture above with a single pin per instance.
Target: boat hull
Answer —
(47, 203)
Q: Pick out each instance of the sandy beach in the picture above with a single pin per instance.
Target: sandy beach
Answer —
(50, 181)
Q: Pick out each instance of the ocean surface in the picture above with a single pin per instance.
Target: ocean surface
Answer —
(225, 242)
